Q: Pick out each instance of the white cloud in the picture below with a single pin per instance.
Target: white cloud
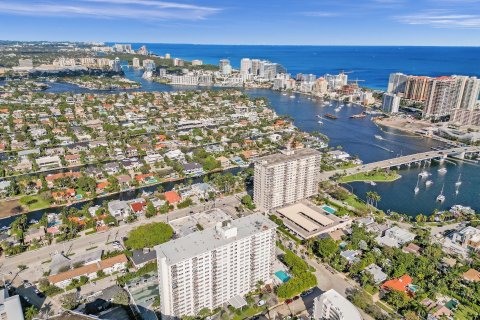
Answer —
(442, 19)
(131, 9)
(320, 14)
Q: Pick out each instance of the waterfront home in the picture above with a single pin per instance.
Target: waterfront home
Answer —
(138, 206)
(108, 266)
(395, 237)
(72, 159)
(468, 237)
(412, 248)
(49, 162)
(224, 162)
(172, 197)
(193, 169)
(34, 234)
(339, 155)
(119, 209)
(112, 168)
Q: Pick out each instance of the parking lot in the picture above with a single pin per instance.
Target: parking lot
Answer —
(28, 294)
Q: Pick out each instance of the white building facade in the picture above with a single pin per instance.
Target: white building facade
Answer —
(207, 268)
(286, 177)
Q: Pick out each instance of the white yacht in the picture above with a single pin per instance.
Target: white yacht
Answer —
(292, 96)
(428, 183)
(378, 137)
(320, 122)
(442, 170)
(424, 174)
(459, 182)
(441, 197)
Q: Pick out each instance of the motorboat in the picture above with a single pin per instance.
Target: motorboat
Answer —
(424, 174)
(378, 137)
(459, 182)
(428, 183)
(373, 183)
(442, 170)
(292, 96)
(417, 189)
(320, 122)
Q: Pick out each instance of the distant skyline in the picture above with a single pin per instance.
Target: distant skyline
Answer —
(281, 22)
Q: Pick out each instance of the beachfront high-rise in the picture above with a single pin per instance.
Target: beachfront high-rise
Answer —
(396, 83)
(286, 177)
(391, 103)
(208, 268)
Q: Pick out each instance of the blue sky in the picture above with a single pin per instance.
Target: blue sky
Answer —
(322, 22)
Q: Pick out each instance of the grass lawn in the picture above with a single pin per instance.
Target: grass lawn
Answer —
(353, 201)
(464, 312)
(371, 176)
(34, 202)
(347, 165)
(248, 312)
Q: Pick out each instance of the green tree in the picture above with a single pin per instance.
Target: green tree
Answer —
(325, 248)
(31, 312)
(149, 235)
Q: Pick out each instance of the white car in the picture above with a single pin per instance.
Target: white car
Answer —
(261, 303)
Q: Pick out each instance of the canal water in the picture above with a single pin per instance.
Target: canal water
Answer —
(357, 137)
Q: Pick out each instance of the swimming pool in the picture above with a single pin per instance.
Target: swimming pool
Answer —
(283, 276)
(328, 209)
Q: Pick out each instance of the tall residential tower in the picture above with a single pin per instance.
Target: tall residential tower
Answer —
(286, 177)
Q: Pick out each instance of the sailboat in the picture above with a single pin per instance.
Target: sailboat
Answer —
(416, 187)
(423, 174)
(459, 182)
(442, 170)
(441, 197)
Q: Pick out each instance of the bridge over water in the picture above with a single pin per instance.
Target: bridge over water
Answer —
(417, 158)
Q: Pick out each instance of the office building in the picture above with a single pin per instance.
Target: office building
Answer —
(416, 88)
(246, 66)
(122, 48)
(226, 69)
(270, 70)
(336, 81)
(332, 306)
(215, 266)
(391, 103)
(396, 83)
(286, 177)
(10, 307)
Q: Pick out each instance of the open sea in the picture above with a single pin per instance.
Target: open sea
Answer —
(371, 64)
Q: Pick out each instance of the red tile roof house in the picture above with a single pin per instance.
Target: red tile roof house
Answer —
(401, 284)
(72, 159)
(172, 197)
(138, 207)
(109, 266)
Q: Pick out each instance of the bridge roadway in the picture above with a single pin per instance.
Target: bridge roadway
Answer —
(404, 160)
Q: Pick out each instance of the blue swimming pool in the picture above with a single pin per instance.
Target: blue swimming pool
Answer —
(328, 209)
(283, 276)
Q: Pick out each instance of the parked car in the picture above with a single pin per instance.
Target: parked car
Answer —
(306, 293)
(288, 301)
(296, 298)
(261, 303)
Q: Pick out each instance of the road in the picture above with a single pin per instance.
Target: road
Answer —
(33, 259)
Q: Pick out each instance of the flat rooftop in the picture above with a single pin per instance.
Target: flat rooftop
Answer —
(209, 239)
(307, 220)
(206, 219)
(291, 155)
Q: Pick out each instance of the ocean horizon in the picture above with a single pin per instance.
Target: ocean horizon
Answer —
(369, 64)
